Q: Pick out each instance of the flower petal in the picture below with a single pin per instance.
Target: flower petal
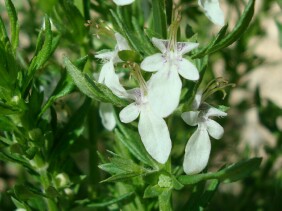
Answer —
(129, 113)
(215, 130)
(154, 135)
(185, 47)
(160, 44)
(123, 2)
(188, 70)
(121, 42)
(105, 55)
(197, 100)
(190, 117)
(212, 11)
(197, 152)
(153, 63)
(211, 111)
(164, 91)
(111, 80)
(106, 112)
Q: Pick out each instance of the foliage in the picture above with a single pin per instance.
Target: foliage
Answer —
(50, 126)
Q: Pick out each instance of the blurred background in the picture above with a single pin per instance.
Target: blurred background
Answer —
(254, 63)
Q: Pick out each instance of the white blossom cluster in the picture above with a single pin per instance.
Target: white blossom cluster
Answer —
(158, 98)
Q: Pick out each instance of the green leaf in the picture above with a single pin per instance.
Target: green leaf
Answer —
(19, 204)
(221, 42)
(51, 192)
(107, 203)
(200, 198)
(3, 33)
(153, 191)
(122, 177)
(91, 88)
(42, 55)
(64, 86)
(8, 157)
(159, 17)
(239, 170)
(131, 56)
(231, 173)
(13, 24)
(24, 193)
(165, 200)
(6, 124)
(131, 140)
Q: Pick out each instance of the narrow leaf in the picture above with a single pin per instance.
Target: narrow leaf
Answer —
(13, 24)
(132, 141)
(237, 32)
(159, 17)
(113, 201)
(91, 88)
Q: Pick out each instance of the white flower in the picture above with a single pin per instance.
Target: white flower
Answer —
(152, 128)
(123, 2)
(212, 11)
(165, 85)
(106, 112)
(107, 75)
(198, 148)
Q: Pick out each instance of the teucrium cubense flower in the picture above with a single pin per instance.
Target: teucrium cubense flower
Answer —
(152, 128)
(165, 85)
(213, 11)
(123, 2)
(197, 150)
(107, 75)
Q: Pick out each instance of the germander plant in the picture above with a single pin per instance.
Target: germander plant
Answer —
(137, 85)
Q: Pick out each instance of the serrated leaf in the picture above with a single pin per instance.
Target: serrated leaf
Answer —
(111, 168)
(92, 88)
(122, 177)
(41, 55)
(230, 38)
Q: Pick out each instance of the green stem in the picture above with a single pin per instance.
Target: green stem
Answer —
(42, 166)
(46, 183)
(93, 127)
